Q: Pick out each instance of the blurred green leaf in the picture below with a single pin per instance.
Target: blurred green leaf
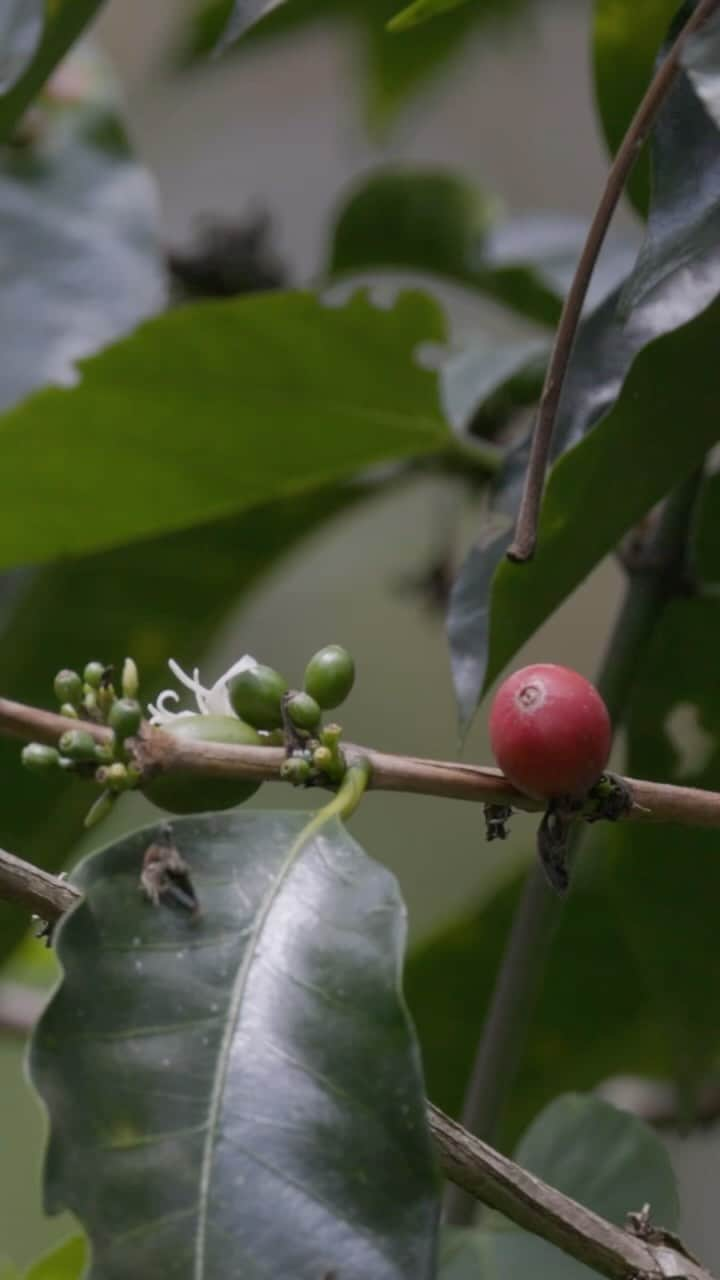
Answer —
(67, 1262)
(421, 11)
(606, 1159)
(433, 221)
(295, 395)
(627, 37)
(397, 66)
(66, 20)
(592, 1019)
(79, 226)
(155, 600)
(244, 1083)
(21, 28)
(676, 277)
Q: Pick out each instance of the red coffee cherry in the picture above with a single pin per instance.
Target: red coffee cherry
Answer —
(550, 731)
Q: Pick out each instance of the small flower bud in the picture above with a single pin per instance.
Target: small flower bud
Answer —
(68, 711)
(68, 687)
(130, 680)
(101, 808)
(323, 758)
(93, 674)
(295, 770)
(39, 758)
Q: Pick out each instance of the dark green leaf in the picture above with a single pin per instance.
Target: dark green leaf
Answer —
(592, 1019)
(295, 395)
(245, 1083)
(82, 260)
(627, 37)
(432, 221)
(67, 1262)
(64, 25)
(21, 27)
(157, 599)
(677, 275)
(397, 65)
(700, 57)
(673, 734)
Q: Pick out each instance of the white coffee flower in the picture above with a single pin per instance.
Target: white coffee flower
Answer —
(214, 701)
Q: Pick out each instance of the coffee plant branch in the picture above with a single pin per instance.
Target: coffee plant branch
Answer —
(523, 546)
(480, 1170)
(158, 752)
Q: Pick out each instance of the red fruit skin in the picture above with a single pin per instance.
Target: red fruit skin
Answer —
(550, 731)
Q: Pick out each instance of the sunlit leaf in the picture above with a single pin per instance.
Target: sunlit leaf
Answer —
(67, 1262)
(295, 395)
(242, 1083)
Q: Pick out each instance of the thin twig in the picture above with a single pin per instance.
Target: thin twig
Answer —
(523, 546)
(532, 1204)
(45, 895)
(159, 752)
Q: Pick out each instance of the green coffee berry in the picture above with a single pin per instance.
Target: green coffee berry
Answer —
(180, 792)
(130, 680)
(69, 711)
(296, 770)
(329, 676)
(39, 758)
(303, 711)
(323, 758)
(256, 696)
(125, 718)
(93, 674)
(78, 744)
(68, 687)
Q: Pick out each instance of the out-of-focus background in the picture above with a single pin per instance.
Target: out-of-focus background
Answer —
(282, 128)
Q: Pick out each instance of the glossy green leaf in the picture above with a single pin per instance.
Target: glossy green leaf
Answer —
(397, 66)
(627, 37)
(295, 395)
(21, 28)
(592, 1019)
(67, 1262)
(157, 599)
(66, 20)
(245, 1083)
(79, 225)
(676, 277)
(433, 221)
(485, 382)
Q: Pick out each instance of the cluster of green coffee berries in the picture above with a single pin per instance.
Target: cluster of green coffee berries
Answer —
(260, 696)
(92, 698)
(266, 712)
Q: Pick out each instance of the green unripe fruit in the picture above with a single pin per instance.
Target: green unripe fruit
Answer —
(125, 718)
(68, 687)
(39, 758)
(323, 758)
(78, 744)
(303, 711)
(93, 674)
(295, 770)
(256, 696)
(181, 792)
(329, 676)
(69, 711)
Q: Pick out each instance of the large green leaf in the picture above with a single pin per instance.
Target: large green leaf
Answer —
(397, 64)
(80, 234)
(627, 37)
(21, 28)
(65, 23)
(677, 275)
(67, 1262)
(245, 1083)
(156, 599)
(214, 408)
(433, 221)
(574, 1043)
